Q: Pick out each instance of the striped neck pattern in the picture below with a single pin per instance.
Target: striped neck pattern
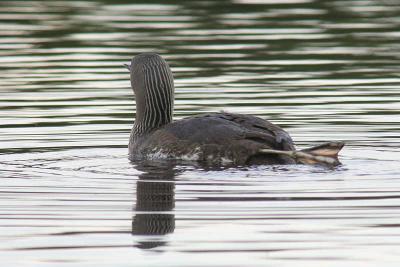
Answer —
(154, 95)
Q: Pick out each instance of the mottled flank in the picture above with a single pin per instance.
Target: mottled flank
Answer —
(217, 138)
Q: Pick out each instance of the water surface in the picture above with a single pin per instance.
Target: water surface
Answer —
(323, 70)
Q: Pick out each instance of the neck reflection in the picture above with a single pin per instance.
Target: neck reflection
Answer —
(155, 200)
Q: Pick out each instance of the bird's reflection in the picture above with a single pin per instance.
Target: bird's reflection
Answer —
(155, 199)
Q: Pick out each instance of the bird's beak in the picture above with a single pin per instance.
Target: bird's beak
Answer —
(128, 66)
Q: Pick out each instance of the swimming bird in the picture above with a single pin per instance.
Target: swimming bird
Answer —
(214, 138)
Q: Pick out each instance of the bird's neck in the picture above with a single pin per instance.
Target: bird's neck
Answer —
(153, 112)
(154, 90)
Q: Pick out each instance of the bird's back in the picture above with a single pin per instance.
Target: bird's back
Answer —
(215, 138)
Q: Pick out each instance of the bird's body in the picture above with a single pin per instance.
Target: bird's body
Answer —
(215, 138)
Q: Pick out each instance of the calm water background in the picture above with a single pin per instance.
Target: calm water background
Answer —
(324, 70)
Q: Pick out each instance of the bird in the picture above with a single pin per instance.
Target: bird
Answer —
(218, 139)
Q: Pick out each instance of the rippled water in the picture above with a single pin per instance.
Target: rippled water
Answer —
(323, 70)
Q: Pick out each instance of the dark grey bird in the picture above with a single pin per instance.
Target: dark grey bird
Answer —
(214, 138)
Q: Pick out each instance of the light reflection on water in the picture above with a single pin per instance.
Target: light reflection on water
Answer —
(324, 70)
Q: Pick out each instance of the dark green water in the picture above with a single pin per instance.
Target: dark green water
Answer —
(323, 70)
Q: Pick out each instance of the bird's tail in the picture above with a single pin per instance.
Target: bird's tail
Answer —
(326, 154)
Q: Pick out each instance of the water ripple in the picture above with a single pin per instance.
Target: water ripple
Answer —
(322, 70)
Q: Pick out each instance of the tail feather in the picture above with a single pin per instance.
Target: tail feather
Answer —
(325, 151)
(330, 149)
(323, 154)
